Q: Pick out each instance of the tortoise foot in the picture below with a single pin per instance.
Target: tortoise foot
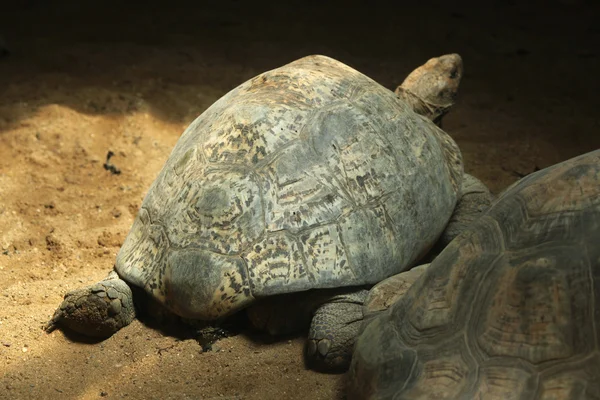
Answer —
(333, 331)
(98, 310)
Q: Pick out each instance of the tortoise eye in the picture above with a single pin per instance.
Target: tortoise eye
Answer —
(453, 73)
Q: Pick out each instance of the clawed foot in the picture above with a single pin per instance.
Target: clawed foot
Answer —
(322, 355)
(98, 311)
(333, 331)
(331, 355)
(321, 347)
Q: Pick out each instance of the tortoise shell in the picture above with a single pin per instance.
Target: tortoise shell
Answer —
(308, 176)
(509, 310)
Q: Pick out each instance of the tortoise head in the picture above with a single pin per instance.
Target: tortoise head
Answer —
(431, 89)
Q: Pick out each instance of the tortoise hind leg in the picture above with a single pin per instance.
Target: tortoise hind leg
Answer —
(98, 310)
(333, 331)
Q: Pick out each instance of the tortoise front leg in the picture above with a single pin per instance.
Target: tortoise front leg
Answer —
(336, 316)
(475, 199)
(334, 329)
(98, 310)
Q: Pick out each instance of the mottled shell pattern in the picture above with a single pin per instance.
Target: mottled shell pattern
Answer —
(308, 176)
(509, 310)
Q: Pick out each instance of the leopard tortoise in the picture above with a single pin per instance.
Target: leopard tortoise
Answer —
(294, 191)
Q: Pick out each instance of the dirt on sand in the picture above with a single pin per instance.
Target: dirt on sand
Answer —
(85, 80)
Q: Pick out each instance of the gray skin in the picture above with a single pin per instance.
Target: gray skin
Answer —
(509, 310)
(289, 197)
(429, 92)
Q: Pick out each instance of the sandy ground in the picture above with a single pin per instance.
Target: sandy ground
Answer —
(81, 82)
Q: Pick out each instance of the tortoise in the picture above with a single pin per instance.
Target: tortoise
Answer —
(508, 310)
(310, 179)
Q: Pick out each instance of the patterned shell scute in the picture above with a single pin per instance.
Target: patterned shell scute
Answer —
(325, 254)
(517, 296)
(434, 310)
(206, 215)
(277, 261)
(299, 197)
